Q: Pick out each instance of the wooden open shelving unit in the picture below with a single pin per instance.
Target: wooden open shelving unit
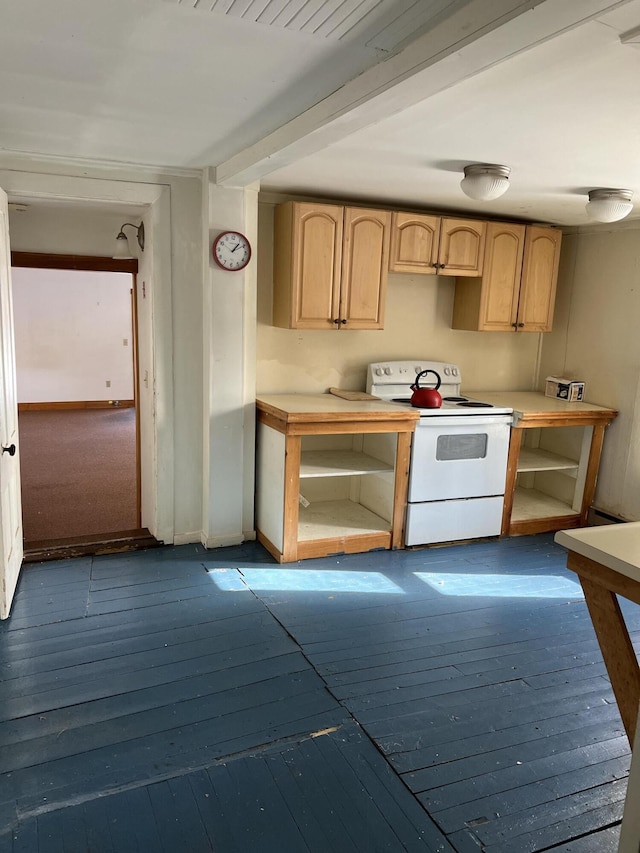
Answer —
(332, 475)
(531, 507)
(530, 510)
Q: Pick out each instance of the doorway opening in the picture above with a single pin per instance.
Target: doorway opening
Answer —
(75, 321)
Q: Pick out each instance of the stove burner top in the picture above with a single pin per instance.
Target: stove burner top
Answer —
(457, 401)
(392, 381)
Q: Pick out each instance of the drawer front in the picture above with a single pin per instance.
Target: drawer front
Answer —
(448, 521)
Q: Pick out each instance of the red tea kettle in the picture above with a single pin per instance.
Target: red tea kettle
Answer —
(426, 398)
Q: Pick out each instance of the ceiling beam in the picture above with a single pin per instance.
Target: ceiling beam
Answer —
(476, 36)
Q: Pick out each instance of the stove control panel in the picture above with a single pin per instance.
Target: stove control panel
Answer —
(394, 372)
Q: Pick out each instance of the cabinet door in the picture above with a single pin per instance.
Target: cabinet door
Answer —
(415, 239)
(490, 303)
(462, 244)
(501, 278)
(365, 261)
(539, 279)
(307, 265)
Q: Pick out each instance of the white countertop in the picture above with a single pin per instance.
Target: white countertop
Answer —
(616, 546)
(525, 402)
(308, 407)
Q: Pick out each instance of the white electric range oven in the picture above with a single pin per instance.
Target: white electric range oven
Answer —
(458, 455)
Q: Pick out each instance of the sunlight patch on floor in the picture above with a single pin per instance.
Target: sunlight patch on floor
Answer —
(503, 586)
(303, 580)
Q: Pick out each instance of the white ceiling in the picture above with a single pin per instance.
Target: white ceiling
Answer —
(377, 100)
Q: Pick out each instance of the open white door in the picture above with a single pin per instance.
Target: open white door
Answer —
(11, 550)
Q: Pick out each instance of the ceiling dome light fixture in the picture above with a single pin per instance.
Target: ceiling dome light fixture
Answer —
(485, 181)
(609, 205)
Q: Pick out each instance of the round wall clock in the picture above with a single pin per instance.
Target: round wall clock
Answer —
(231, 250)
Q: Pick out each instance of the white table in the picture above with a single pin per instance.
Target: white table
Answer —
(607, 561)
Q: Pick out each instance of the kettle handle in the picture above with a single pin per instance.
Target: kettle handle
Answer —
(416, 385)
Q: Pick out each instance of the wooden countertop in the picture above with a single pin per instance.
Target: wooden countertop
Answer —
(311, 408)
(616, 546)
(531, 407)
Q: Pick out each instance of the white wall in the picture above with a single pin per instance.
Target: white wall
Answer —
(229, 332)
(60, 229)
(417, 325)
(596, 339)
(73, 333)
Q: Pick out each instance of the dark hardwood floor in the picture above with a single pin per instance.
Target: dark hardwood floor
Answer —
(177, 699)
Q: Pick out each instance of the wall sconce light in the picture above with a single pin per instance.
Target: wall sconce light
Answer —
(485, 181)
(122, 249)
(608, 205)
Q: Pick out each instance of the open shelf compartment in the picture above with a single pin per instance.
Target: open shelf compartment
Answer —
(536, 459)
(339, 463)
(337, 520)
(530, 504)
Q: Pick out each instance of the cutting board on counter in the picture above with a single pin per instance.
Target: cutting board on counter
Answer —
(351, 395)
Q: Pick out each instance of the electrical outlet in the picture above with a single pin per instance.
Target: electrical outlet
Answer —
(108, 383)
(125, 342)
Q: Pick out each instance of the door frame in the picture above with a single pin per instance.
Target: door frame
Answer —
(155, 270)
(93, 263)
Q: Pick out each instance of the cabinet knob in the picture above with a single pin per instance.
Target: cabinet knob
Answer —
(520, 325)
(344, 322)
(337, 321)
(515, 325)
(442, 266)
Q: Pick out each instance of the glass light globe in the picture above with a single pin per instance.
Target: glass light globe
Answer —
(609, 205)
(485, 181)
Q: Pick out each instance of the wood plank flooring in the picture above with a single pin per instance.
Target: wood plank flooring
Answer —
(441, 699)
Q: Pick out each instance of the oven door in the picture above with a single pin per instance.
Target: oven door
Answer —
(459, 457)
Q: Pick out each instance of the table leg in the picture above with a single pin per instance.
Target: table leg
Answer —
(617, 651)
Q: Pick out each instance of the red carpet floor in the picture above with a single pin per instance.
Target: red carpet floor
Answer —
(78, 471)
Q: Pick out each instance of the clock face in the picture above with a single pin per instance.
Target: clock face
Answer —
(231, 250)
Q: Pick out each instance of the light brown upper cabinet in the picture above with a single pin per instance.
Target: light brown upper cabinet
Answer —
(436, 245)
(330, 266)
(517, 289)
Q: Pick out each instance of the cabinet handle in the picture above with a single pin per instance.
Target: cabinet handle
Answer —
(11, 449)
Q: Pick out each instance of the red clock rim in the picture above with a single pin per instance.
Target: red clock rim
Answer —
(217, 240)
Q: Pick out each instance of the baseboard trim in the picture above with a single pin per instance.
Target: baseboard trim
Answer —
(221, 541)
(76, 404)
(187, 538)
(215, 541)
(607, 517)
